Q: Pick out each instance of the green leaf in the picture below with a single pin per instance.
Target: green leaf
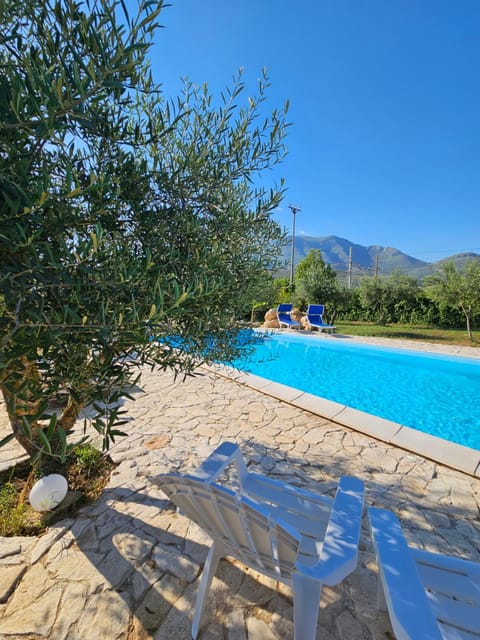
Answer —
(44, 441)
(73, 194)
(7, 439)
(152, 311)
(51, 426)
(181, 299)
(94, 240)
(26, 428)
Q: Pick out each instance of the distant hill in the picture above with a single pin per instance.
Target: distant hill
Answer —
(335, 251)
(459, 259)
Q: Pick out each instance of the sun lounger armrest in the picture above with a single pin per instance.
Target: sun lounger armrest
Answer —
(339, 552)
(219, 460)
(407, 603)
(280, 493)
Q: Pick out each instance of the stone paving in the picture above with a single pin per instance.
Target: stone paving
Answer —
(127, 567)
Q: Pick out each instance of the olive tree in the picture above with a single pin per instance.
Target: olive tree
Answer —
(458, 288)
(374, 297)
(393, 298)
(130, 225)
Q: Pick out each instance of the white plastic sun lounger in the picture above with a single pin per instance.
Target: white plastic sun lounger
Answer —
(294, 536)
(428, 596)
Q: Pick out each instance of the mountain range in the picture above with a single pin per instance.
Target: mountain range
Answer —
(365, 260)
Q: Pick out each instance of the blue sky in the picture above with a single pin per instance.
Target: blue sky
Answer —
(384, 146)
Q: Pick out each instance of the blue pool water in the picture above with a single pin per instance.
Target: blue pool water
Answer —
(436, 394)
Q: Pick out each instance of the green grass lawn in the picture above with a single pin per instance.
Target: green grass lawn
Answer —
(409, 332)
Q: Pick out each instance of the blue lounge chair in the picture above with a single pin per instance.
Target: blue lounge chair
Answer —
(284, 317)
(315, 318)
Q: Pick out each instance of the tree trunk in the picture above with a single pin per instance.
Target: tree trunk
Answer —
(25, 442)
(469, 328)
(20, 381)
(69, 415)
(466, 313)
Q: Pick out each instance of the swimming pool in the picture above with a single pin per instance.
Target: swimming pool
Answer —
(436, 394)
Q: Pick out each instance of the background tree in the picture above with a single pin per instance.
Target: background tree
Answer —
(404, 291)
(128, 224)
(313, 258)
(457, 288)
(259, 298)
(283, 291)
(374, 296)
(316, 283)
(389, 299)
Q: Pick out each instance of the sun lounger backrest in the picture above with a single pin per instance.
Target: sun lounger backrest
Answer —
(242, 527)
(284, 307)
(315, 309)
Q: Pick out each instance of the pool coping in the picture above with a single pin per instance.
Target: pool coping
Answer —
(450, 454)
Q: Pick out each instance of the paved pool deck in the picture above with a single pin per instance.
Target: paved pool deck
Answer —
(127, 567)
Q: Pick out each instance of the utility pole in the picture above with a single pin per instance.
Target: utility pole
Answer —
(349, 268)
(376, 267)
(294, 211)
